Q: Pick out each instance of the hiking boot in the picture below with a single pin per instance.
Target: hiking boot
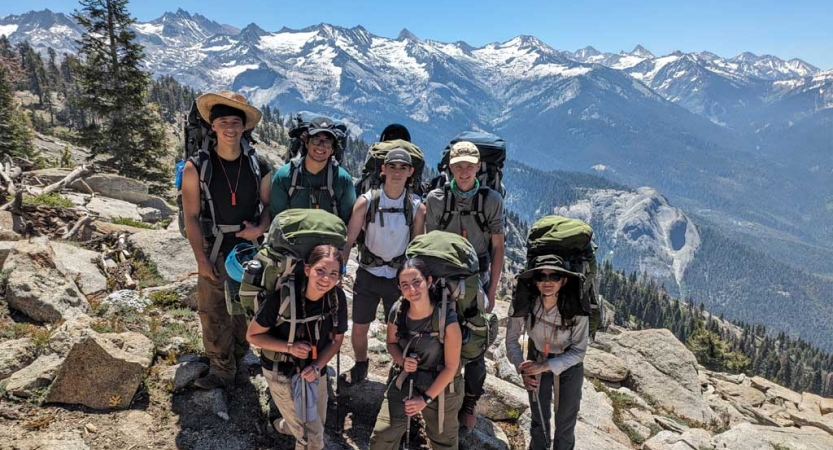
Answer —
(211, 381)
(356, 374)
(467, 413)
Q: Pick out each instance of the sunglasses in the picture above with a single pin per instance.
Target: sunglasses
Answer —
(540, 276)
(321, 142)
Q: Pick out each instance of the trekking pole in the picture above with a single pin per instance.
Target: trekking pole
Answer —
(408, 423)
(339, 427)
(304, 402)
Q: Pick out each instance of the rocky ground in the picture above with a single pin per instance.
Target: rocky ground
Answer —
(100, 344)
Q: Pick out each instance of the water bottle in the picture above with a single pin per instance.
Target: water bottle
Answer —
(180, 167)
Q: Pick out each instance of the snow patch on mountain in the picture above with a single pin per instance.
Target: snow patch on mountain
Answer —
(7, 30)
(285, 42)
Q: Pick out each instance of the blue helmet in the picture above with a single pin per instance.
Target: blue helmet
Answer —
(237, 257)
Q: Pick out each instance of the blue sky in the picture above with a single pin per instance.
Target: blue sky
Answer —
(797, 29)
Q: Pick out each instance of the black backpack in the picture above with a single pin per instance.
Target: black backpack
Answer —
(298, 129)
(199, 139)
(492, 150)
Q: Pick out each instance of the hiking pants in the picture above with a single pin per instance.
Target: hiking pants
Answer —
(280, 386)
(223, 335)
(391, 421)
(569, 400)
(367, 290)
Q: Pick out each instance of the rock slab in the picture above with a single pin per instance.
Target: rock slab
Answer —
(103, 371)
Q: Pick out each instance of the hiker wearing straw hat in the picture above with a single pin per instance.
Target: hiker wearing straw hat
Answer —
(225, 190)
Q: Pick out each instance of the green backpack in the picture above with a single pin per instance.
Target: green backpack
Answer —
(454, 266)
(571, 240)
(292, 236)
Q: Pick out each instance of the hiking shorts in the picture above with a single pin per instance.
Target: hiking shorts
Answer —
(367, 291)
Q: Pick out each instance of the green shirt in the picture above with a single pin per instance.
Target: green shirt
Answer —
(308, 191)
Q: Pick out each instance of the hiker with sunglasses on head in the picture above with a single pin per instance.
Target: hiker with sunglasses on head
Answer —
(558, 339)
(225, 190)
(299, 365)
(474, 211)
(315, 180)
(420, 357)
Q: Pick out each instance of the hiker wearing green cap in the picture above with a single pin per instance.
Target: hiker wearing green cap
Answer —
(558, 339)
(315, 180)
(225, 190)
(476, 212)
(397, 216)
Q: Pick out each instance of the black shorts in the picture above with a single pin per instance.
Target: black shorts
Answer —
(367, 290)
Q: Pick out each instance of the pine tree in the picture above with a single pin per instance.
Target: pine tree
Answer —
(123, 127)
(15, 135)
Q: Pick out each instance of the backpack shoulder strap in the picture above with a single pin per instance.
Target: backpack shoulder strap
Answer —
(254, 163)
(373, 206)
(448, 210)
(479, 209)
(332, 176)
(294, 174)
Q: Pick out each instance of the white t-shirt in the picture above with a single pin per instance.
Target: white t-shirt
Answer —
(389, 241)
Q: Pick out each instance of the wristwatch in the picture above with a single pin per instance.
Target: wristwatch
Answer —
(427, 399)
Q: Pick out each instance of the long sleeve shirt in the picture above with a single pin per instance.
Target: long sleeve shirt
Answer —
(568, 344)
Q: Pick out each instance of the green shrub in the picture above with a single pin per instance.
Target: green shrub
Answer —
(132, 223)
(54, 200)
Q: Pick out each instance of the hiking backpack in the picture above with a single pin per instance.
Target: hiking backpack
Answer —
(199, 139)
(572, 241)
(492, 150)
(454, 267)
(279, 263)
(371, 180)
(298, 129)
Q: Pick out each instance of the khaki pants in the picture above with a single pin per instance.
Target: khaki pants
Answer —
(280, 387)
(390, 424)
(223, 336)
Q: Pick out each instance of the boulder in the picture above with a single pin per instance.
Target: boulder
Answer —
(200, 402)
(604, 366)
(186, 290)
(485, 436)
(810, 404)
(103, 371)
(740, 393)
(181, 375)
(69, 333)
(643, 432)
(807, 419)
(37, 288)
(597, 411)
(79, 264)
(662, 370)
(826, 405)
(169, 251)
(694, 438)
(38, 375)
(502, 400)
(110, 208)
(44, 440)
(112, 186)
(499, 366)
(727, 413)
(5, 249)
(591, 438)
(9, 227)
(744, 436)
(636, 398)
(775, 391)
(16, 354)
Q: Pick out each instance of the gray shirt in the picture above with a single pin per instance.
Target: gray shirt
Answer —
(572, 339)
(492, 209)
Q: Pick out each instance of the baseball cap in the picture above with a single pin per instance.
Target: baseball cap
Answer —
(464, 151)
(399, 155)
(322, 125)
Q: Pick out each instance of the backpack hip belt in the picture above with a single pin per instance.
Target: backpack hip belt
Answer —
(370, 259)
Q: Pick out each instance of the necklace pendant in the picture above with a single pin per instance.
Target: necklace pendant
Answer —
(233, 199)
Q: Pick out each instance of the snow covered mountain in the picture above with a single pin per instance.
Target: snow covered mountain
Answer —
(707, 131)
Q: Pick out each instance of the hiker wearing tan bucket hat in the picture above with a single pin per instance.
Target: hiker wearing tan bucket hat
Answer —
(225, 200)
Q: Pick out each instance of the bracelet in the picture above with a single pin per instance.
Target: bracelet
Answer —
(427, 399)
(289, 347)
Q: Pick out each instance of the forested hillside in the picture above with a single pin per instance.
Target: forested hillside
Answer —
(718, 345)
